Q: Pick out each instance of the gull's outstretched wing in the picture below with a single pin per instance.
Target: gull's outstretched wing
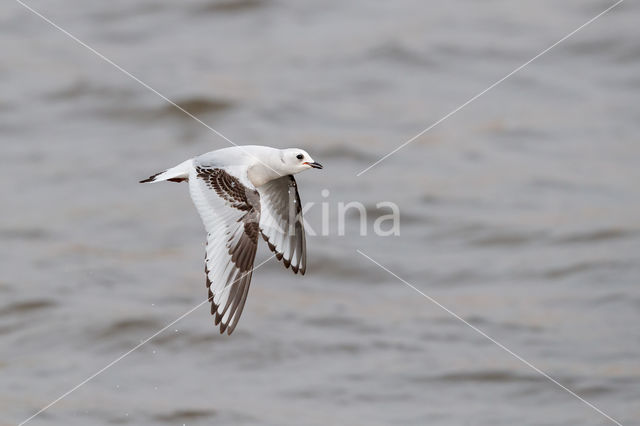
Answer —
(281, 222)
(231, 214)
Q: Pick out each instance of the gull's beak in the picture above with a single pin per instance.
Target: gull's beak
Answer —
(314, 165)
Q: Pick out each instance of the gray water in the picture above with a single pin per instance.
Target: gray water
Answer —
(520, 213)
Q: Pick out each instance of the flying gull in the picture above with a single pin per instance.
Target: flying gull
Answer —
(242, 192)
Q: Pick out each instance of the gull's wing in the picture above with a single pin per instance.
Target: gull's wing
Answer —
(281, 222)
(231, 214)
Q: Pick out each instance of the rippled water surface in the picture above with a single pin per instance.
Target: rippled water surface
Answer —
(520, 213)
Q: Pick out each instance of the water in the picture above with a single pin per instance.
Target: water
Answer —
(520, 213)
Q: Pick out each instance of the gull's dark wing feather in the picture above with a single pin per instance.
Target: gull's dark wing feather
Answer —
(230, 212)
(281, 222)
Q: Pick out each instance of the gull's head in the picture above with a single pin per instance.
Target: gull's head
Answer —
(297, 160)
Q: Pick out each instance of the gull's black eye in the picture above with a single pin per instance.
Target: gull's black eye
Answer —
(299, 156)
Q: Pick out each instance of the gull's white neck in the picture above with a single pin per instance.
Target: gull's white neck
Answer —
(266, 169)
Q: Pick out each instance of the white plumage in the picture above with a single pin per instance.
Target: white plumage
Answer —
(240, 193)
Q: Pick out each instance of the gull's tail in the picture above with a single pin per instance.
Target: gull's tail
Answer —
(179, 173)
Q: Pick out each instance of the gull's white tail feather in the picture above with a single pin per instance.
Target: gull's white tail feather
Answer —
(179, 173)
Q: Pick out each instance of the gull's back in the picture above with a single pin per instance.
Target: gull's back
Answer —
(245, 155)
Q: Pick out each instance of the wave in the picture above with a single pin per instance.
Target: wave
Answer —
(27, 307)
(596, 236)
(185, 415)
(229, 6)
(492, 376)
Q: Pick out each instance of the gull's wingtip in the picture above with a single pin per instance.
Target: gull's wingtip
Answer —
(151, 178)
(162, 176)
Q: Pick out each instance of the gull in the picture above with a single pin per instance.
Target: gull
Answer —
(242, 192)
